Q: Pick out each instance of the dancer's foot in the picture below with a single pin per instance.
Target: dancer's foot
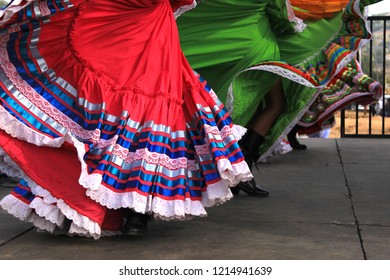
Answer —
(136, 224)
(294, 143)
(251, 188)
(292, 139)
(250, 147)
(64, 229)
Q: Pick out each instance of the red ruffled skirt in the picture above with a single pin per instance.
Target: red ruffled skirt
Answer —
(100, 112)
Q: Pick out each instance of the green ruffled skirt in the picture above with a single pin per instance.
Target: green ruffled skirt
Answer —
(242, 47)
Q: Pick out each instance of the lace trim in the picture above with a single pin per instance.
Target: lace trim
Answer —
(24, 213)
(10, 124)
(181, 10)
(232, 174)
(16, 208)
(240, 173)
(238, 131)
(17, 5)
(154, 158)
(282, 148)
(36, 99)
(162, 209)
(11, 9)
(78, 219)
(286, 73)
(53, 210)
(177, 209)
(48, 211)
(46, 205)
(18, 130)
(299, 25)
(7, 168)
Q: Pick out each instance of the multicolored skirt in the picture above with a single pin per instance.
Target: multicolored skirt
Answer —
(101, 112)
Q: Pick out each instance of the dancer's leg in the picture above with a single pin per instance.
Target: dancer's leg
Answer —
(275, 105)
(292, 139)
(258, 128)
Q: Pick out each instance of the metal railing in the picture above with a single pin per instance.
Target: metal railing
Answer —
(357, 121)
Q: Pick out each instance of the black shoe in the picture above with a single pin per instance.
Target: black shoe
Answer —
(252, 189)
(292, 139)
(64, 229)
(235, 191)
(296, 145)
(250, 147)
(136, 224)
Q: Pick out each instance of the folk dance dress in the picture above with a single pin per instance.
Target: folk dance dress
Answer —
(242, 47)
(101, 112)
(350, 84)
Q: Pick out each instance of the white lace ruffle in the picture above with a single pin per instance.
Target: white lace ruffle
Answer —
(233, 174)
(54, 210)
(78, 219)
(63, 121)
(10, 169)
(225, 169)
(181, 10)
(168, 210)
(238, 131)
(281, 148)
(47, 208)
(176, 209)
(23, 212)
(18, 130)
(16, 208)
(241, 173)
(160, 208)
(13, 8)
(280, 71)
(48, 211)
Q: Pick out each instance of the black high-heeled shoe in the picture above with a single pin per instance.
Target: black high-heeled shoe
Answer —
(249, 145)
(292, 139)
(136, 224)
(251, 188)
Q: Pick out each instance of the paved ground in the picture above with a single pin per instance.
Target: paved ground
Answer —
(330, 202)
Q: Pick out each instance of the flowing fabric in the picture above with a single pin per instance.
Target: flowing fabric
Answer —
(101, 112)
(319, 9)
(243, 47)
(350, 85)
